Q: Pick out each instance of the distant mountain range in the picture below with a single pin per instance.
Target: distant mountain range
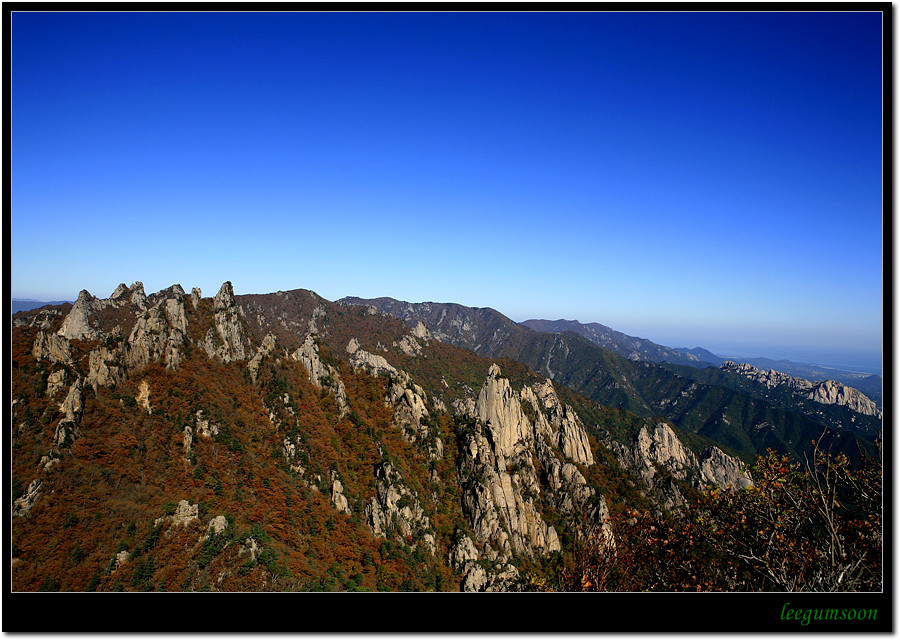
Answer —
(625, 345)
(27, 304)
(641, 349)
(604, 366)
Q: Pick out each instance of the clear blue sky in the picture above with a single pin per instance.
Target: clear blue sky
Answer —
(699, 179)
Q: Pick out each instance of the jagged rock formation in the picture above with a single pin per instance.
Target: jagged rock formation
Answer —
(56, 382)
(824, 392)
(396, 512)
(52, 347)
(143, 396)
(78, 323)
(338, 499)
(159, 333)
(227, 340)
(185, 513)
(498, 475)
(320, 373)
(23, 504)
(371, 362)
(658, 446)
(72, 408)
(43, 320)
(265, 349)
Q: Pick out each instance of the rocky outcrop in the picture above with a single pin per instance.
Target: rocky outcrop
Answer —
(143, 396)
(23, 504)
(717, 467)
(159, 333)
(395, 512)
(658, 446)
(566, 430)
(56, 382)
(499, 451)
(43, 320)
(412, 417)
(322, 375)
(498, 476)
(188, 443)
(410, 343)
(52, 347)
(823, 392)
(80, 324)
(265, 349)
(360, 359)
(338, 499)
(216, 525)
(464, 558)
(185, 513)
(227, 339)
(105, 366)
(72, 408)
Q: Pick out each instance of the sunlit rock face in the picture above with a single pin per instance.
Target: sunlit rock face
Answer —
(824, 392)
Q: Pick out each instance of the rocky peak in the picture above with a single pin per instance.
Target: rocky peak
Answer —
(823, 392)
(499, 408)
(138, 297)
(320, 373)
(225, 297)
(659, 445)
(717, 467)
(227, 340)
(78, 323)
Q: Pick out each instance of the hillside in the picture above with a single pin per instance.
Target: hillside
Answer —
(628, 346)
(282, 442)
(711, 407)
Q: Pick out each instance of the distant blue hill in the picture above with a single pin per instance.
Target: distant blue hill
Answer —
(26, 304)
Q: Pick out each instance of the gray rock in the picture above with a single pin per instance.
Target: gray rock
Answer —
(53, 347)
(78, 324)
(308, 355)
(23, 504)
(227, 340)
(824, 392)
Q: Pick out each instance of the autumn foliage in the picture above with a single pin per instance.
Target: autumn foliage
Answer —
(812, 526)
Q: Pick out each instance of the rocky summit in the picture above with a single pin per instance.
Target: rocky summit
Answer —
(285, 442)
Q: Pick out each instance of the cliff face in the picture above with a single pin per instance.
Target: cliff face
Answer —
(824, 392)
(658, 446)
(502, 447)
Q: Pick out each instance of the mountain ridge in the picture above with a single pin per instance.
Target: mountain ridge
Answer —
(639, 386)
(281, 441)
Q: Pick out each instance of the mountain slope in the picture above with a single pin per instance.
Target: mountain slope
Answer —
(723, 413)
(622, 344)
(283, 442)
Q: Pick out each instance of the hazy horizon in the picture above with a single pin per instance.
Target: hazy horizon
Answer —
(870, 362)
(699, 179)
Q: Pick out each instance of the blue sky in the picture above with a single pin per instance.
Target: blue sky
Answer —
(698, 179)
